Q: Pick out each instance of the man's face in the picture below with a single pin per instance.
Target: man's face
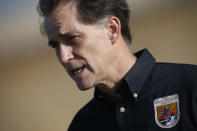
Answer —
(83, 49)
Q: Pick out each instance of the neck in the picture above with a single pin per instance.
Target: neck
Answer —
(124, 60)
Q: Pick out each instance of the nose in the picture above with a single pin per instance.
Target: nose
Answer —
(64, 53)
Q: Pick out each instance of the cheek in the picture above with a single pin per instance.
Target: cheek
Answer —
(93, 49)
(89, 55)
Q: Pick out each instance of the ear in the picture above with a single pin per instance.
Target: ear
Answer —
(114, 27)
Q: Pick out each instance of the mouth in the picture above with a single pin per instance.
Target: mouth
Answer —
(78, 71)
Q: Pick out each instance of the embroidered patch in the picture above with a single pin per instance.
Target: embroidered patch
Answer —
(167, 112)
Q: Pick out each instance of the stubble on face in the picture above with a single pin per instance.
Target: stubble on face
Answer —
(89, 62)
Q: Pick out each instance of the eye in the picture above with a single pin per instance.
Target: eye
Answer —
(71, 40)
(53, 43)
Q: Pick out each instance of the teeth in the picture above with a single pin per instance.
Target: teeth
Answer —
(77, 71)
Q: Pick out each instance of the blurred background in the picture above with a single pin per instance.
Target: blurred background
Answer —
(36, 94)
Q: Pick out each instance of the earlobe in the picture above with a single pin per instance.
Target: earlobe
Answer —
(114, 28)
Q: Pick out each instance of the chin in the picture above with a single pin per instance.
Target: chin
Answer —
(83, 87)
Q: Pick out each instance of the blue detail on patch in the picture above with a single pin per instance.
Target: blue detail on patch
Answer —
(165, 111)
(168, 121)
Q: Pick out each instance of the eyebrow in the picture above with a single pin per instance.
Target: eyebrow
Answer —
(65, 35)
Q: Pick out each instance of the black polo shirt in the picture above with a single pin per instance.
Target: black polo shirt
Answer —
(151, 97)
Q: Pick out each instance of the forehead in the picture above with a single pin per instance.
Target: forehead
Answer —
(62, 18)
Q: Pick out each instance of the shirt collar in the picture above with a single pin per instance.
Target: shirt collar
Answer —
(133, 80)
(137, 75)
